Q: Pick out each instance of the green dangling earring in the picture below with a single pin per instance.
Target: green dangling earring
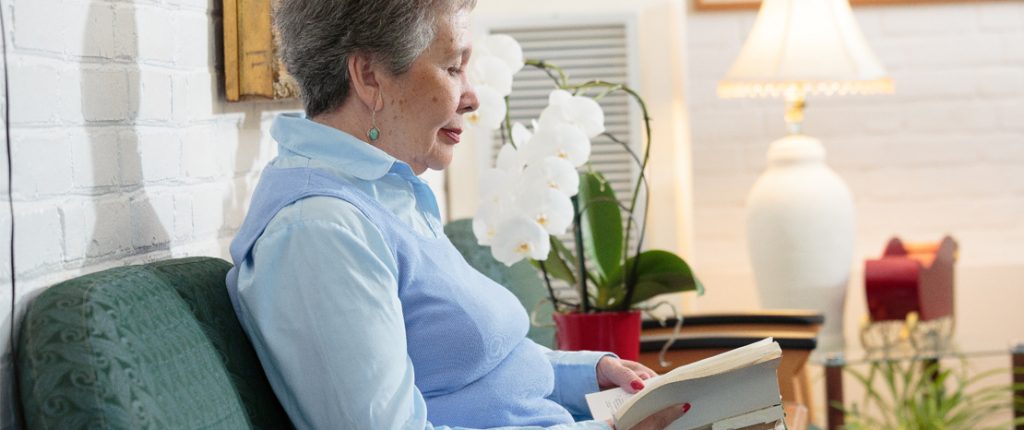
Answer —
(373, 133)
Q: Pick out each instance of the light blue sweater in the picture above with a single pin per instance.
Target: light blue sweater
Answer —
(362, 320)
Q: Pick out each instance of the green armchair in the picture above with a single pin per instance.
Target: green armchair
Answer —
(150, 346)
(158, 346)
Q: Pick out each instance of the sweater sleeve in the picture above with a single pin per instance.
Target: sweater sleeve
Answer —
(575, 377)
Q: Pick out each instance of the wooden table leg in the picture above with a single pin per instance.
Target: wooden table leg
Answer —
(1018, 380)
(805, 397)
(834, 392)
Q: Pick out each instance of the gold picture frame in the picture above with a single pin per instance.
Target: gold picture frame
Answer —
(252, 69)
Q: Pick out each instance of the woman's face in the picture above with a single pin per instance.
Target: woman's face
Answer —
(423, 108)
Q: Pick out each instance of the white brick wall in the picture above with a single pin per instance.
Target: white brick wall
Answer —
(5, 270)
(124, 151)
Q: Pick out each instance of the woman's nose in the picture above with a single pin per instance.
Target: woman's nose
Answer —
(468, 102)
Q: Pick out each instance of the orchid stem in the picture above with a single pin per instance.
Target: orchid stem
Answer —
(631, 278)
(547, 283)
(507, 129)
(578, 234)
(562, 82)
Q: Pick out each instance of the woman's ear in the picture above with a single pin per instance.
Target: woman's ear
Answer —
(364, 77)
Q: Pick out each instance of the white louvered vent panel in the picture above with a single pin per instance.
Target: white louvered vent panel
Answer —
(586, 52)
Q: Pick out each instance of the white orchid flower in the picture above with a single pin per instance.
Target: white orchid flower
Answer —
(486, 222)
(490, 71)
(519, 237)
(483, 231)
(521, 135)
(498, 190)
(509, 159)
(503, 47)
(548, 207)
(491, 110)
(579, 111)
(498, 187)
(553, 173)
(559, 140)
(491, 77)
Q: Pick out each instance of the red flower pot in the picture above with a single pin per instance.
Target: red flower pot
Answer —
(616, 332)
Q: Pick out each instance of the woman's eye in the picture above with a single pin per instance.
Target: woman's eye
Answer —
(455, 70)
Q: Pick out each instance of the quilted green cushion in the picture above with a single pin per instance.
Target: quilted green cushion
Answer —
(154, 346)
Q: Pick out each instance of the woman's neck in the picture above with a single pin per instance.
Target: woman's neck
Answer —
(343, 120)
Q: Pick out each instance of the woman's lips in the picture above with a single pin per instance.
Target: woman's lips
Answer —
(453, 133)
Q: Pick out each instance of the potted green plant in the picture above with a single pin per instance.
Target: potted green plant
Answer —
(542, 186)
(919, 395)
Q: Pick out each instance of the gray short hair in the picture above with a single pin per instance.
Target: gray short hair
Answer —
(316, 37)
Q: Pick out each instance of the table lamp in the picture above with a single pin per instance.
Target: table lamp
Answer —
(800, 215)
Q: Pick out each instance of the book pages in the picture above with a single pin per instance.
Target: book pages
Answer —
(728, 385)
(712, 398)
(767, 419)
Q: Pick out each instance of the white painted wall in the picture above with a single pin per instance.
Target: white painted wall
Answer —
(944, 154)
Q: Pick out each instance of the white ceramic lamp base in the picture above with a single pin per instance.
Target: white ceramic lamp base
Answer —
(800, 232)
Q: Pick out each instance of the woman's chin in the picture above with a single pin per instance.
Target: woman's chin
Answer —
(441, 162)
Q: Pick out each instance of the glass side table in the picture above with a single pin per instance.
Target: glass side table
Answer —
(835, 362)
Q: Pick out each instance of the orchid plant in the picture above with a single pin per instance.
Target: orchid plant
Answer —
(542, 185)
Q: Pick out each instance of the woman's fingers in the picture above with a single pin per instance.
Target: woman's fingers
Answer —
(629, 375)
(642, 371)
(612, 372)
(627, 379)
(661, 419)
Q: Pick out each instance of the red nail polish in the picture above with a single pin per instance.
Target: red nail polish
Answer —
(686, 407)
(637, 385)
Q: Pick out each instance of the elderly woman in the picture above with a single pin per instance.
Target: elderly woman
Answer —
(362, 313)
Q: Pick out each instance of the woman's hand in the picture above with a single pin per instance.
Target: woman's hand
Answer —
(629, 375)
(658, 420)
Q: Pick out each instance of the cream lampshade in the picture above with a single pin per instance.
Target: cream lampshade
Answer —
(808, 47)
(800, 215)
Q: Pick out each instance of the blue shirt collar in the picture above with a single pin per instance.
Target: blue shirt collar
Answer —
(300, 135)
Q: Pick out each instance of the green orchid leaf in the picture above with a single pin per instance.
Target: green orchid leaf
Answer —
(659, 272)
(645, 290)
(566, 255)
(601, 225)
(559, 263)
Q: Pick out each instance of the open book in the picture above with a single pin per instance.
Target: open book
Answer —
(737, 389)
